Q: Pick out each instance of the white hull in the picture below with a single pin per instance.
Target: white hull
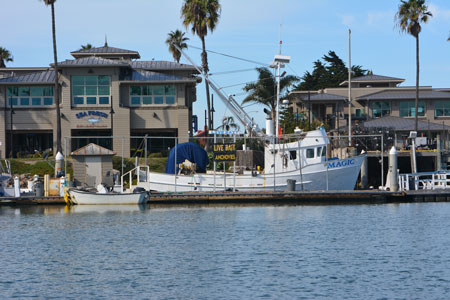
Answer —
(88, 198)
(331, 175)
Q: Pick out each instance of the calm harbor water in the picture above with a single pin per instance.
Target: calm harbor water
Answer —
(226, 252)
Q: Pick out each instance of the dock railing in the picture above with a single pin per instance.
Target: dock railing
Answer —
(425, 181)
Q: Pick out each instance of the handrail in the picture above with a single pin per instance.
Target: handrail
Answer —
(435, 180)
(130, 175)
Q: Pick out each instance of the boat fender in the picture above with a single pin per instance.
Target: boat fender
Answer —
(67, 198)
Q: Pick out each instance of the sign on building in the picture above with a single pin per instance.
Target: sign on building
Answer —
(225, 152)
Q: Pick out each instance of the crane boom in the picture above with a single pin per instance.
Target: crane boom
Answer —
(229, 101)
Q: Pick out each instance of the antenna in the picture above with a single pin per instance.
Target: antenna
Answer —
(281, 42)
(106, 41)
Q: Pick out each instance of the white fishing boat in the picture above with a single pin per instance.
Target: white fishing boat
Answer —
(80, 197)
(304, 161)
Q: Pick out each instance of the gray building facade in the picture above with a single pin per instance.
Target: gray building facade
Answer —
(104, 91)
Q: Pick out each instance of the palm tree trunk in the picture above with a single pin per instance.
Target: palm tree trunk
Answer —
(205, 71)
(417, 84)
(56, 92)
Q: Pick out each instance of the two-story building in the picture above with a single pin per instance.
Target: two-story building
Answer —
(376, 97)
(104, 91)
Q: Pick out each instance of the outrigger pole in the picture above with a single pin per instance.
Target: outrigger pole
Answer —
(229, 101)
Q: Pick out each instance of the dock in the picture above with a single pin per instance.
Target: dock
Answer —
(267, 198)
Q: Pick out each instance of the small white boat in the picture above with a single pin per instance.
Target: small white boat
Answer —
(75, 196)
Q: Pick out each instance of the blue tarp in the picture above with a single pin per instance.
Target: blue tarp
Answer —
(191, 152)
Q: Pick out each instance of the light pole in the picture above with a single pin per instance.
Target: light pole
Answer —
(279, 62)
(11, 128)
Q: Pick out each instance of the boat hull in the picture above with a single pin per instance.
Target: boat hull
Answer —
(330, 175)
(88, 198)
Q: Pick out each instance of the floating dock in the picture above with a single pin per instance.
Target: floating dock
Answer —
(270, 198)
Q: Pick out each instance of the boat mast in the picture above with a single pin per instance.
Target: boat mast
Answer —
(349, 89)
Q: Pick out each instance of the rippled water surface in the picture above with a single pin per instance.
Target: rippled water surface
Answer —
(250, 252)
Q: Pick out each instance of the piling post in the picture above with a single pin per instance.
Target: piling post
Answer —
(393, 170)
(16, 187)
(438, 153)
(364, 172)
(58, 164)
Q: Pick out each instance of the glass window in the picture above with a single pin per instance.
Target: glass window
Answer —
(158, 90)
(47, 91)
(91, 100)
(24, 91)
(135, 100)
(48, 101)
(170, 90)
(292, 155)
(13, 91)
(36, 91)
(159, 100)
(91, 90)
(36, 101)
(381, 109)
(318, 151)
(310, 153)
(407, 109)
(442, 109)
(135, 90)
(103, 80)
(162, 94)
(14, 101)
(24, 101)
(170, 100)
(78, 90)
(78, 100)
(146, 100)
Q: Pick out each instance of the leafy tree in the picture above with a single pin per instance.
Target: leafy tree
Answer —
(264, 90)
(5, 56)
(202, 15)
(176, 38)
(51, 3)
(410, 15)
(327, 74)
(86, 47)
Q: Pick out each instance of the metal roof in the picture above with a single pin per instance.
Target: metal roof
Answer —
(93, 61)
(160, 65)
(38, 77)
(154, 76)
(374, 78)
(107, 51)
(93, 149)
(429, 94)
(403, 124)
(323, 97)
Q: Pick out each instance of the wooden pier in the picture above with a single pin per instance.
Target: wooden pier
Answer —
(267, 198)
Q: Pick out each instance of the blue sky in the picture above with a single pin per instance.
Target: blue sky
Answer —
(247, 28)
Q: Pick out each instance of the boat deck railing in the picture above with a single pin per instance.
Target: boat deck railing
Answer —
(139, 173)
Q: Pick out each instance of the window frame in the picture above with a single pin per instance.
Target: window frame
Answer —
(411, 109)
(444, 108)
(152, 95)
(18, 99)
(86, 97)
(382, 110)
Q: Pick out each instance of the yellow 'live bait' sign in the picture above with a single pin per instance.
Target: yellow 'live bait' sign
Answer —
(225, 152)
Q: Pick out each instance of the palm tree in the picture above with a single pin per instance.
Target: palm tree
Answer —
(410, 15)
(202, 15)
(176, 38)
(86, 47)
(51, 3)
(5, 56)
(228, 123)
(264, 90)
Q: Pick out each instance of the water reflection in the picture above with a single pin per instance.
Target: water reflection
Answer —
(101, 209)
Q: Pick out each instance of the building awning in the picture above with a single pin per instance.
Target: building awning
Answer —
(403, 124)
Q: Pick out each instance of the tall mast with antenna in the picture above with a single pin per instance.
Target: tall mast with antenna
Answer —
(349, 88)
